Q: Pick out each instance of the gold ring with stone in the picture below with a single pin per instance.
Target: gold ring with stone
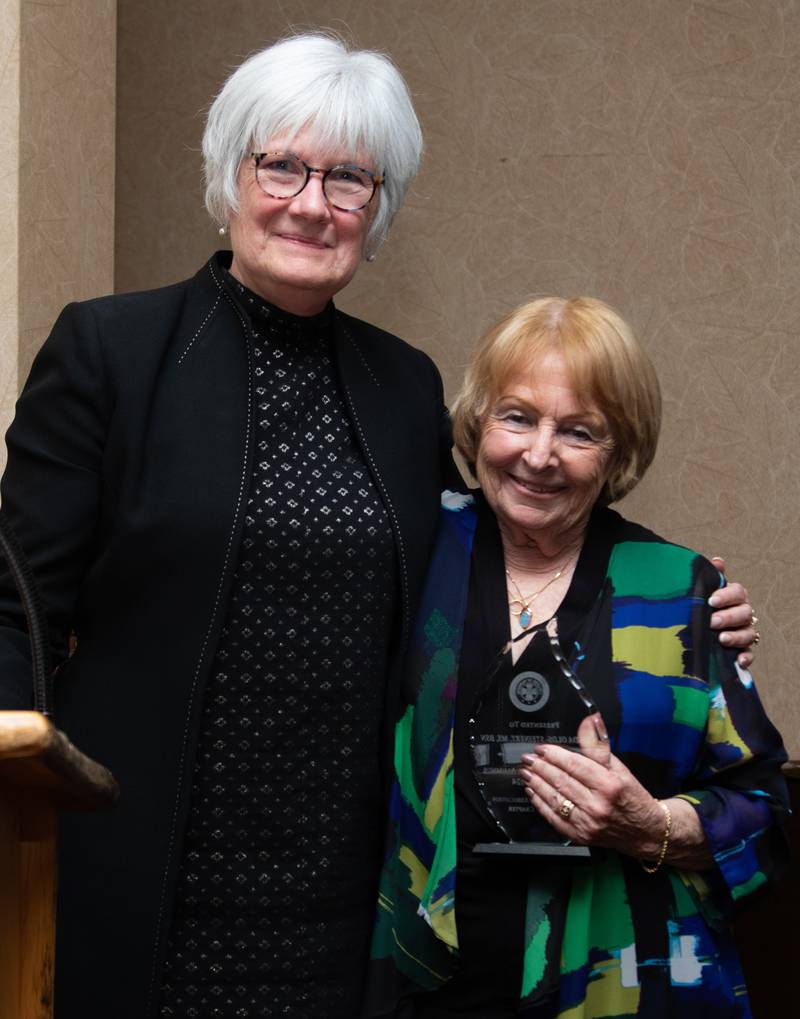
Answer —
(566, 808)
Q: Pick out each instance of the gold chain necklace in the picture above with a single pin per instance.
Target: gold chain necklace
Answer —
(521, 605)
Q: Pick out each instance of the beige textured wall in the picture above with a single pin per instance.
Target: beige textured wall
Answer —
(9, 205)
(644, 151)
(67, 160)
(57, 164)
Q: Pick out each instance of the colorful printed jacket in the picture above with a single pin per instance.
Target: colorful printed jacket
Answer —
(686, 720)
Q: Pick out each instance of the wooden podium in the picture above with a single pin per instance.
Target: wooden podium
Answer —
(41, 774)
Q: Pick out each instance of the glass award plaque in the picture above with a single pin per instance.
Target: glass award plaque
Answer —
(518, 706)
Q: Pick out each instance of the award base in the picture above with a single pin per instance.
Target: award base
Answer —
(532, 849)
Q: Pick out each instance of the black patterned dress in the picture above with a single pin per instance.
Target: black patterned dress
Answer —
(276, 888)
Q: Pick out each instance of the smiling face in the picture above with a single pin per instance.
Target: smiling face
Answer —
(298, 252)
(543, 456)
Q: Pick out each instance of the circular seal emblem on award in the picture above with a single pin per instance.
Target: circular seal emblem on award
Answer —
(529, 691)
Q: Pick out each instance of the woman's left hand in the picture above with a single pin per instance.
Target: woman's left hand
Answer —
(611, 808)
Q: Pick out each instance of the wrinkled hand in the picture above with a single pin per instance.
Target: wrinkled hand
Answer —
(612, 808)
(733, 614)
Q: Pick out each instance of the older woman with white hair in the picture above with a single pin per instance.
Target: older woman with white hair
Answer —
(228, 490)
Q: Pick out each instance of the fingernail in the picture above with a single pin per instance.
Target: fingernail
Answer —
(527, 759)
(539, 749)
(525, 774)
(715, 620)
(725, 638)
(713, 601)
(600, 727)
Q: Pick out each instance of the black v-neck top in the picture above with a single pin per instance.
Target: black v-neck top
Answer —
(491, 890)
(278, 873)
(486, 631)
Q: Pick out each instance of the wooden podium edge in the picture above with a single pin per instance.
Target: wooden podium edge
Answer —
(36, 756)
(41, 774)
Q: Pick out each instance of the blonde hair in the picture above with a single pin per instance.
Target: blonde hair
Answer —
(606, 364)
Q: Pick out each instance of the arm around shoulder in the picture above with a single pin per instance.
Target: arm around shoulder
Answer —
(739, 793)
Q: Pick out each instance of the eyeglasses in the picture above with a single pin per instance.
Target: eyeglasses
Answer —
(347, 187)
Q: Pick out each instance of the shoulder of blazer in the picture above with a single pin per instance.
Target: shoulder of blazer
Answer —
(381, 352)
(148, 318)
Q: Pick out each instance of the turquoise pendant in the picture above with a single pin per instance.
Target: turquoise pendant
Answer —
(525, 618)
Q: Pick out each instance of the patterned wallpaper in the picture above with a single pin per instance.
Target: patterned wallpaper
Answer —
(643, 151)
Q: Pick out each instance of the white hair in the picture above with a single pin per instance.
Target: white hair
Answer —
(353, 99)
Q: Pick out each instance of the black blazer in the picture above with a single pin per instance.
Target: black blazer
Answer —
(129, 463)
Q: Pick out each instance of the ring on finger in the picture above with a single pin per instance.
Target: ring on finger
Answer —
(756, 639)
(754, 620)
(566, 808)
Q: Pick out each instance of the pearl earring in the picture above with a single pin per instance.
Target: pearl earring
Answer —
(222, 231)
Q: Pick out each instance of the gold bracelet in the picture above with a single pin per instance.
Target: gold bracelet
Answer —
(664, 842)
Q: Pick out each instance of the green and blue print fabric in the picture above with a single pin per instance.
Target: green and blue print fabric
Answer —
(684, 718)
(416, 919)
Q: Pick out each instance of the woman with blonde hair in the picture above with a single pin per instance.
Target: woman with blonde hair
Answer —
(523, 878)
